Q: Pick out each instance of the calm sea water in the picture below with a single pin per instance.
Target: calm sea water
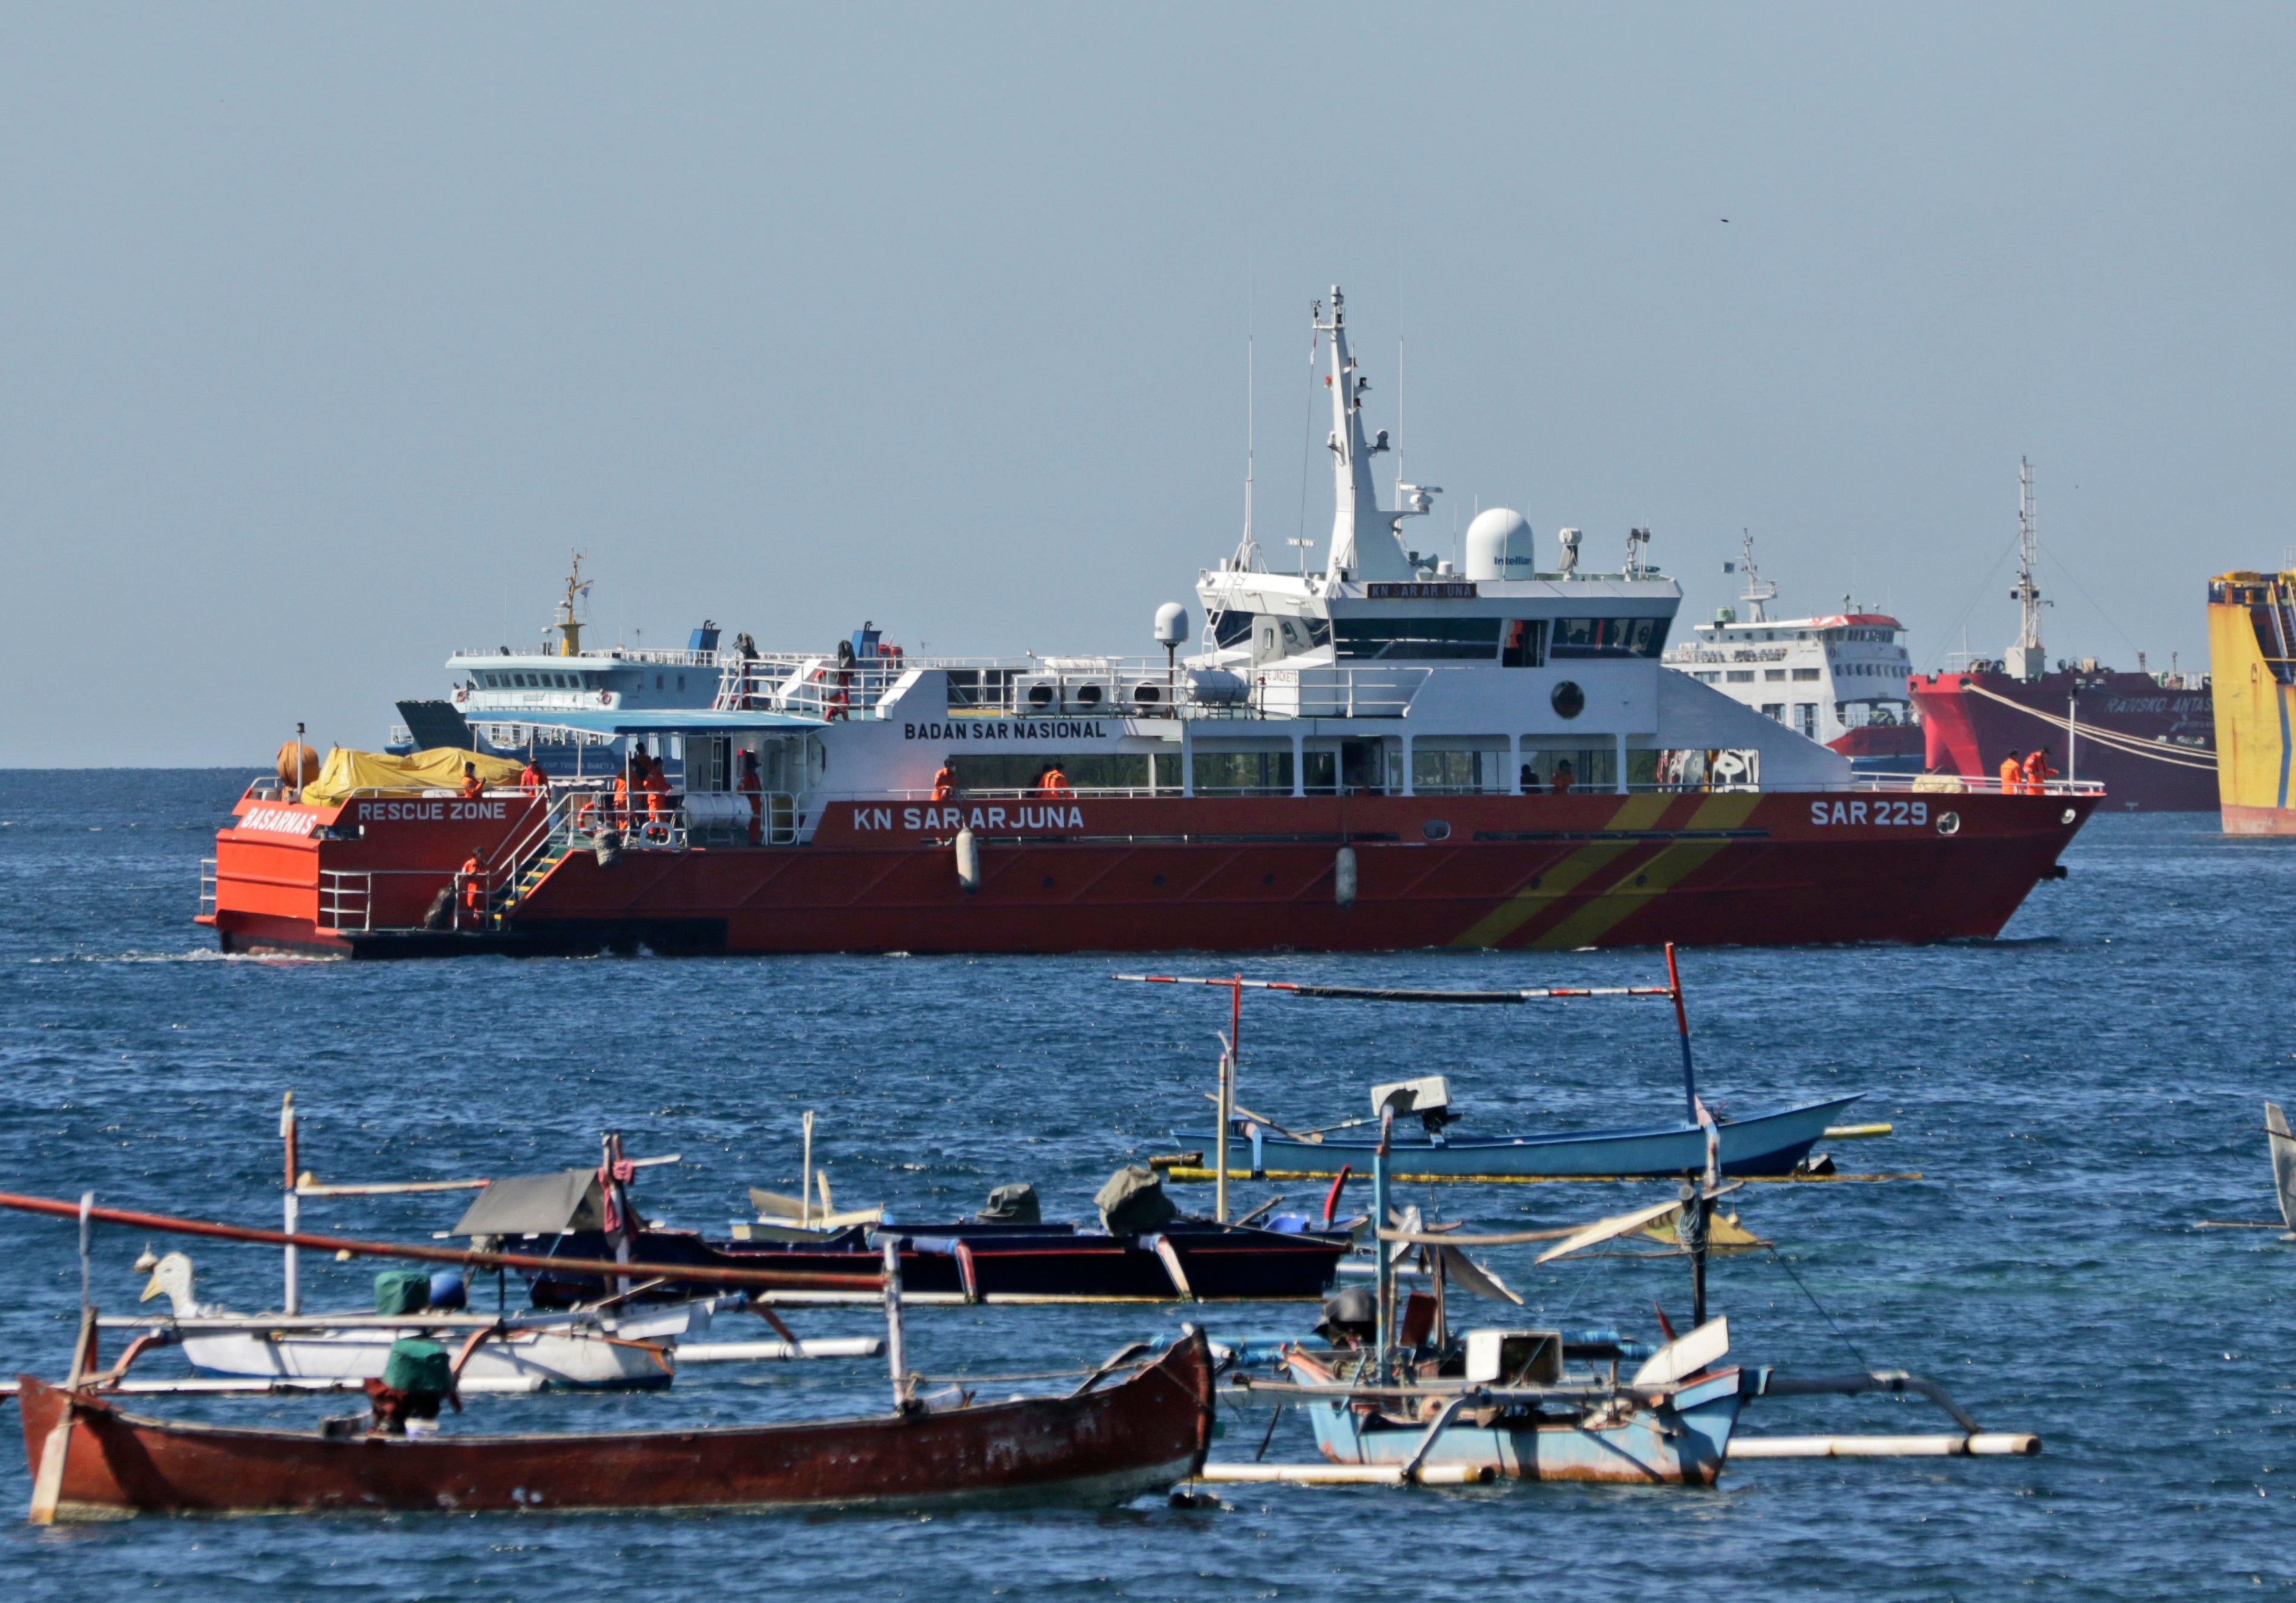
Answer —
(2075, 1096)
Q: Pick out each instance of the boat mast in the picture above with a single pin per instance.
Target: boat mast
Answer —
(1247, 550)
(1365, 545)
(1757, 592)
(569, 631)
(2028, 661)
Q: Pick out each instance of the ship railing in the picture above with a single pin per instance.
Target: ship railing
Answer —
(972, 793)
(346, 900)
(662, 657)
(822, 688)
(207, 887)
(716, 818)
(1956, 784)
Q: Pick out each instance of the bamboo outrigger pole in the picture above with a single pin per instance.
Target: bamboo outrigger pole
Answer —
(782, 1279)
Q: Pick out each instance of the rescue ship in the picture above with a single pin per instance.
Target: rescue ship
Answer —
(2252, 656)
(2149, 738)
(1383, 754)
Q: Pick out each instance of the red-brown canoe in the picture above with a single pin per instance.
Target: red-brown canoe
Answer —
(1107, 1445)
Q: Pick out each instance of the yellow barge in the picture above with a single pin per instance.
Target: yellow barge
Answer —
(2252, 652)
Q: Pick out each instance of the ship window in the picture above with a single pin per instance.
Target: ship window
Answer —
(1231, 629)
(1742, 675)
(1415, 638)
(1608, 636)
(1775, 709)
(1522, 643)
(1775, 675)
(1015, 774)
(1804, 675)
(1709, 678)
(1243, 773)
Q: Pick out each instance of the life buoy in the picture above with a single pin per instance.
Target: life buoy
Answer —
(461, 694)
(605, 698)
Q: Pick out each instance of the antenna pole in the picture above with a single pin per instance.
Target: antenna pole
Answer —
(1250, 452)
(1398, 419)
(2031, 656)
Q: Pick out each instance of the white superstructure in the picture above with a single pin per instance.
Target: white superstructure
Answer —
(1822, 677)
(1387, 672)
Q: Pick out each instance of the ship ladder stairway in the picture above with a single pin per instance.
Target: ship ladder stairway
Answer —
(537, 853)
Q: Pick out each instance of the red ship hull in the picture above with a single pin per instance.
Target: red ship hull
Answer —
(1969, 732)
(1170, 874)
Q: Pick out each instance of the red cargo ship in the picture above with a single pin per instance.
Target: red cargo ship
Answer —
(2149, 738)
(1386, 753)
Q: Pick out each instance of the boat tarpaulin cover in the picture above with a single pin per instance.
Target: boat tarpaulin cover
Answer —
(535, 1205)
(439, 768)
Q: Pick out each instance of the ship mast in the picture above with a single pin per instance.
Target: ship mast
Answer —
(1365, 545)
(1247, 550)
(1758, 592)
(569, 630)
(2027, 660)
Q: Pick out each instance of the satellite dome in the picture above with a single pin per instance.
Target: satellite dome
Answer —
(1171, 623)
(1499, 545)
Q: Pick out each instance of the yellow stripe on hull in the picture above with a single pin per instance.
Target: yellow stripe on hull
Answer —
(1629, 893)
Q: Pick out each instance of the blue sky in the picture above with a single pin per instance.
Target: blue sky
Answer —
(326, 332)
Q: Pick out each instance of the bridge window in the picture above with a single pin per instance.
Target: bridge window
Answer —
(1232, 629)
(1522, 645)
(1609, 636)
(1415, 639)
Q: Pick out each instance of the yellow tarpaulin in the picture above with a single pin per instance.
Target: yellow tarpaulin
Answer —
(440, 768)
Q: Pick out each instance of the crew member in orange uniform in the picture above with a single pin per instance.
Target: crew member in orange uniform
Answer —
(2038, 772)
(474, 886)
(1054, 783)
(944, 783)
(2013, 774)
(532, 779)
(657, 789)
(472, 785)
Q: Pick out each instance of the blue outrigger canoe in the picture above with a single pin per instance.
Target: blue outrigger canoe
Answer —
(1767, 1143)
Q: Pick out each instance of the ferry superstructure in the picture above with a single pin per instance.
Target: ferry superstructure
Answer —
(1381, 754)
(1838, 680)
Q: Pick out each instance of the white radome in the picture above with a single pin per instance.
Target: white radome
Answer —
(1499, 545)
(1171, 624)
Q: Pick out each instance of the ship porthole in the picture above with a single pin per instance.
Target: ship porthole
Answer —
(1435, 829)
(1948, 823)
(1568, 700)
(2069, 817)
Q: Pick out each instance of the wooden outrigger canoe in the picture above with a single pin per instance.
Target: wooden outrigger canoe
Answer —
(1764, 1143)
(1100, 1443)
